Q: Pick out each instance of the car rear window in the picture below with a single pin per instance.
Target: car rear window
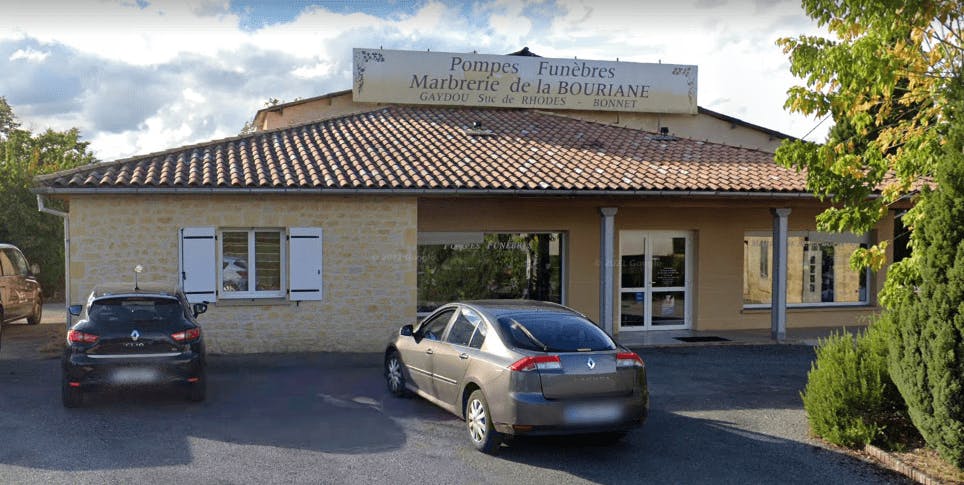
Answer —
(124, 311)
(554, 332)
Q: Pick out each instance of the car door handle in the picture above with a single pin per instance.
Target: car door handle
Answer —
(463, 356)
(429, 351)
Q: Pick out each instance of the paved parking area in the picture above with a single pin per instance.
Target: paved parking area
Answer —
(720, 414)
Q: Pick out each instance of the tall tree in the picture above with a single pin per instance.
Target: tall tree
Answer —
(884, 81)
(891, 80)
(24, 155)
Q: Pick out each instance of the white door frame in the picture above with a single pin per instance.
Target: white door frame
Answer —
(650, 289)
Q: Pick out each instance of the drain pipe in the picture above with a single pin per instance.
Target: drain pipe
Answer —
(42, 208)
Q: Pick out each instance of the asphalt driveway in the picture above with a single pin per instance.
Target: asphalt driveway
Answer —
(720, 414)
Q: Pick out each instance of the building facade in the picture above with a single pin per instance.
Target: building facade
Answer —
(337, 222)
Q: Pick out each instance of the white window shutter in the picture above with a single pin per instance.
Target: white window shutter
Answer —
(199, 264)
(304, 263)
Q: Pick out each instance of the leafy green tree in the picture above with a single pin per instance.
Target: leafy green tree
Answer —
(891, 81)
(884, 81)
(24, 155)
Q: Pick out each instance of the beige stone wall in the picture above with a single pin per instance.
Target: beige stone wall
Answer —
(697, 127)
(369, 263)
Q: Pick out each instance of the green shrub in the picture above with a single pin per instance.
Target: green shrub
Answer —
(849, 397)
(927, 351)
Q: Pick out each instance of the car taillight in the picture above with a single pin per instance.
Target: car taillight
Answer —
(541, 362)
(190, 334)
(79, 337)
(628, 359)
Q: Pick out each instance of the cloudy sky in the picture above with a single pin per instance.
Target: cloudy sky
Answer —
(138, 76)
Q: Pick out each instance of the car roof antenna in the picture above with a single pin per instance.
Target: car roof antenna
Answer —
(137, 270)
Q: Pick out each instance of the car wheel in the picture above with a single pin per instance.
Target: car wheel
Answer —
(197, 391)
(37, 314)
(72, 397)
(394, 376)
(478, 421)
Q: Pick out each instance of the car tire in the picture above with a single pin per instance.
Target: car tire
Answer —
(37, 314)
(198, 391)
(394, 375)
(478, 422)
(72, 397)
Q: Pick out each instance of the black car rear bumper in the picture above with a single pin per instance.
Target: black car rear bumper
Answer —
(80, 370)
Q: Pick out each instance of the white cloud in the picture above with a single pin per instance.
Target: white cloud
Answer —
(140, 78)
(29, 55)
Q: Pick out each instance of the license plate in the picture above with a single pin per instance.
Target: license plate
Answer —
(135, 376)
(596, 413)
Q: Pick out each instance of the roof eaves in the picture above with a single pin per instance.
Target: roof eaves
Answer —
(424, 191)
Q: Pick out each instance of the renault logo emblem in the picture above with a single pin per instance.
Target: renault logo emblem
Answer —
(135, 335)
(591, 364)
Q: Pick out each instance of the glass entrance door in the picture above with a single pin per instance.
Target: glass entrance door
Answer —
(655, 280)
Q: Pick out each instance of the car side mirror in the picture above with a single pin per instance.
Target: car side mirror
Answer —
(406, 331)
(75, 310)
(35, 269)
(199, 308)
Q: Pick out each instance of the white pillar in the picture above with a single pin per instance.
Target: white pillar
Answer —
(606, 264)
(778, 299)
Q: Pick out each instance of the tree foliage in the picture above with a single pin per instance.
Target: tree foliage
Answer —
(23, 155)
(891, 80)
(927, 361)
(884, 81)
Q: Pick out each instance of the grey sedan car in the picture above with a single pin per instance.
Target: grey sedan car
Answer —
(516, 367)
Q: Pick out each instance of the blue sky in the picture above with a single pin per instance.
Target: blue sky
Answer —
(137, 76)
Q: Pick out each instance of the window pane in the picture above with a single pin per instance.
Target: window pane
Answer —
(633, 306)
(489, 266)
(461, 331)
(668, 308)
(234, 261)
(267, 261)
(669, 261)
(554, 332)
(818, 270)
(632, 248)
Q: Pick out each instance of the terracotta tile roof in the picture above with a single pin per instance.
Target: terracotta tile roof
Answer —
(437, 149)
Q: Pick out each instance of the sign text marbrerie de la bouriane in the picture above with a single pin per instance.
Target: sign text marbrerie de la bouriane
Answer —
(444, 78)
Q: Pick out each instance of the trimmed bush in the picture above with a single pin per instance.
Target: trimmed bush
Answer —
(849, 398)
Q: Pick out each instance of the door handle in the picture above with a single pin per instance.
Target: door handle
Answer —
(430, 351)
(463, 356)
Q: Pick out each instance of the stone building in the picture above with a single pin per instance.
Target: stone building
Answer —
(338, 221)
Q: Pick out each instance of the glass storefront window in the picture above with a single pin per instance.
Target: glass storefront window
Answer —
(475, 266)
(818, 270)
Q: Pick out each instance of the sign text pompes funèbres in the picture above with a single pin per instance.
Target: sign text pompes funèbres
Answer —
(441, 78)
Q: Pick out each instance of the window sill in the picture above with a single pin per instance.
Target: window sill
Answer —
(816, 308)
(253, 302)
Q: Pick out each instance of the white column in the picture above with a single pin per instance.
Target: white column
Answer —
(778, 300)
(606, 264)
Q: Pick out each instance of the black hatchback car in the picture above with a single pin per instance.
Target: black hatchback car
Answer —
(131, 336)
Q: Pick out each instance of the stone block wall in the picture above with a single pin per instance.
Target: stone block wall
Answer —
(369, 263)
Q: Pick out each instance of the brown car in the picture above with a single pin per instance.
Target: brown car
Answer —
(20, 295)
(516, 367)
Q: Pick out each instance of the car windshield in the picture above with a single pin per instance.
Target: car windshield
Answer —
(127, 310)
(554, 332)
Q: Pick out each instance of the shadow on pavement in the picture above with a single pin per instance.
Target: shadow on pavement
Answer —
(252, 400)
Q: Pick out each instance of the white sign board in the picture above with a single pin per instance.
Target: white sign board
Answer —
(444, 78)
